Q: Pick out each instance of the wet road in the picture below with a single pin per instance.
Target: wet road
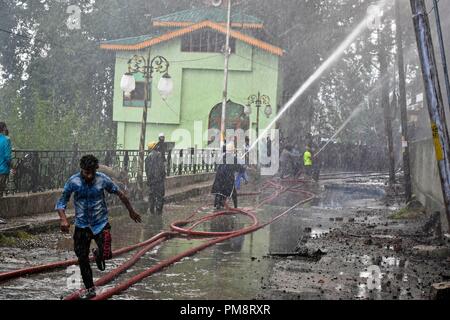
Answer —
(252, 266)
(230, 270)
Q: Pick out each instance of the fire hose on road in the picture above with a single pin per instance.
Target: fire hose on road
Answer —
(178, 229)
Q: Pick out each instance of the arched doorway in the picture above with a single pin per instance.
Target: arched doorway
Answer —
(235, 118)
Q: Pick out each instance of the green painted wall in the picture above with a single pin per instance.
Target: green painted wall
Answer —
(198, 85)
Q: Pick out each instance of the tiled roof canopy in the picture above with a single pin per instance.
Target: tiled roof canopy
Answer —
(131, 40)
(218, 15)
(142, 42)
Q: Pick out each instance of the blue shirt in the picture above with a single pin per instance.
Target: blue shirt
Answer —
(89, 200)
(5, 154)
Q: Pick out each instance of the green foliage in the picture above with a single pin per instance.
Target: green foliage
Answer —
(22, 235)
(54, 127)
(60, 92)
(6, 241)
(15, 239)
(59, 87)
(407, 213)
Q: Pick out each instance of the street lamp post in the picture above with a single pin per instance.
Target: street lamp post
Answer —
(258, 100)
(146, 66)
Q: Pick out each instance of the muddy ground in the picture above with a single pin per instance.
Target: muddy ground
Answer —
(366, 254)
(346, 244)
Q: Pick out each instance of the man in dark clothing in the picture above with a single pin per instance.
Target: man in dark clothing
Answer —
(91, 216)
(224, 182)
(317, 163)
(287, 159)
(156, 176)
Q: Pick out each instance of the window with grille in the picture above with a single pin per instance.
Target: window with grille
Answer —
(206, 41)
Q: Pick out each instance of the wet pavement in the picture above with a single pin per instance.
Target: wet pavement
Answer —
(235, 266)
(359, 252)
(341, 246)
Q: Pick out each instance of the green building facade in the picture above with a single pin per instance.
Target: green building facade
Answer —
(192, 41)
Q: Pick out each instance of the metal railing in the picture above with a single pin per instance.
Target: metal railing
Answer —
(38, 171)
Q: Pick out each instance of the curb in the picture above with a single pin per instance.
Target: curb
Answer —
(50, 224)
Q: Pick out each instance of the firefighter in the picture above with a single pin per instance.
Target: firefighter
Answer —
(224, 182)
(307, 161)
(156, 177)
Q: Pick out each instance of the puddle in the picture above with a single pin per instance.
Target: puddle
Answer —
(236, 266)
(228, 265)
(337, 196)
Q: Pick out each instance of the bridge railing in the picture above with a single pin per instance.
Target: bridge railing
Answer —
(44, 170)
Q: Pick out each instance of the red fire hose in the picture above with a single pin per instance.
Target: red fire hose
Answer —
(55, 265)
(116, 272)
(177, 229)
(128, 283)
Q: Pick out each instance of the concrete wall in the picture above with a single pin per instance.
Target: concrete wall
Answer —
(44, 202)
(180, 181)
(425, 178)
(29, 204)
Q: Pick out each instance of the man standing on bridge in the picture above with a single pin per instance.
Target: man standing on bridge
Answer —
(224, 183)
(307, 161)
(91, 216)
(5, 159)
(156, 178)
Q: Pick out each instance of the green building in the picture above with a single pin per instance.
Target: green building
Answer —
(192, 41)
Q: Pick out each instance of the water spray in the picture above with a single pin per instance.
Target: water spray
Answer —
(360, 28)
(359, 108)
(353, 114)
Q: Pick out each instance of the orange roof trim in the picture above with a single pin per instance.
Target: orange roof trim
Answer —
(205, 24)
(186, 24)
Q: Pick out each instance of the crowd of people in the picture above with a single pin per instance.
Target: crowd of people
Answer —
(294, 163)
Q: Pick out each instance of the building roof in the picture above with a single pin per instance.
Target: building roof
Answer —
(131, 40)
(142, 42)
(218, 15)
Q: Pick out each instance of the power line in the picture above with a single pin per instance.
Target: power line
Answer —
(433, 8)
(108, 13)
(181, 61)
(16, 34)
(253, 60)
(80, 53)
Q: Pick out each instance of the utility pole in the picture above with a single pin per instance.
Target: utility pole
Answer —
(225, 85)
(442, 47)
(434, 97)
(382, 57)
(402, 102)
